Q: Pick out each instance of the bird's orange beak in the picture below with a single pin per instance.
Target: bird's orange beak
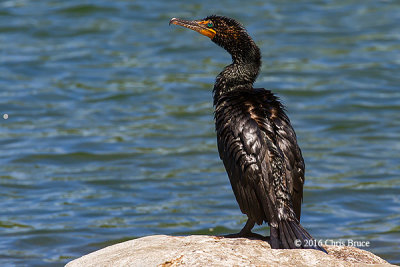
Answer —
(199, 26)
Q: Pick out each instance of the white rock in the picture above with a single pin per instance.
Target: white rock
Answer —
(199, 250)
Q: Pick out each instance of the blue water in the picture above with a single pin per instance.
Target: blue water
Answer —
(110, 132)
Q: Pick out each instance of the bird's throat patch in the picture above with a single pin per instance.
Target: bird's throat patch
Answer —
(208, 32)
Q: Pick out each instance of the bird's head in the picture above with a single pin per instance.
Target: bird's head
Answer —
(224, 31)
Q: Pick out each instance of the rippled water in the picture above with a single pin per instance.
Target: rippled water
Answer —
(110, 131)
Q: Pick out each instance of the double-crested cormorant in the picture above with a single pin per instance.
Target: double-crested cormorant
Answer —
(255, 139)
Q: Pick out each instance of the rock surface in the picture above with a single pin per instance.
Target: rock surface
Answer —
(197, 250)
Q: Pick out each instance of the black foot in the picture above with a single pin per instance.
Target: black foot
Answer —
(247, 235)
(246, 232)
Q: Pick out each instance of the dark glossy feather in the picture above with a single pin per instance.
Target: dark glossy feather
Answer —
(253, 130)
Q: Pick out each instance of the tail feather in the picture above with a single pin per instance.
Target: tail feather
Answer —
(293, 235)
(282, 238)
(287, 235)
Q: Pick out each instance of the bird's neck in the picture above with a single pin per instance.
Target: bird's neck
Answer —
(241, 74)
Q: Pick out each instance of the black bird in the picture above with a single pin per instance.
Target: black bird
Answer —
(256, 141)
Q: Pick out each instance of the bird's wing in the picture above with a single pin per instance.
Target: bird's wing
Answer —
(242, 146)
(248, 144)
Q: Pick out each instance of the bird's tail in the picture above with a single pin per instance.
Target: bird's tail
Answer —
(293, 235)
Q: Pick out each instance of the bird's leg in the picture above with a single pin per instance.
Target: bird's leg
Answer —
(247, 227)
(274, 237)
(246, 231)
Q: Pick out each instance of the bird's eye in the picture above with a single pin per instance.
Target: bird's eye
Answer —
(210, 24)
